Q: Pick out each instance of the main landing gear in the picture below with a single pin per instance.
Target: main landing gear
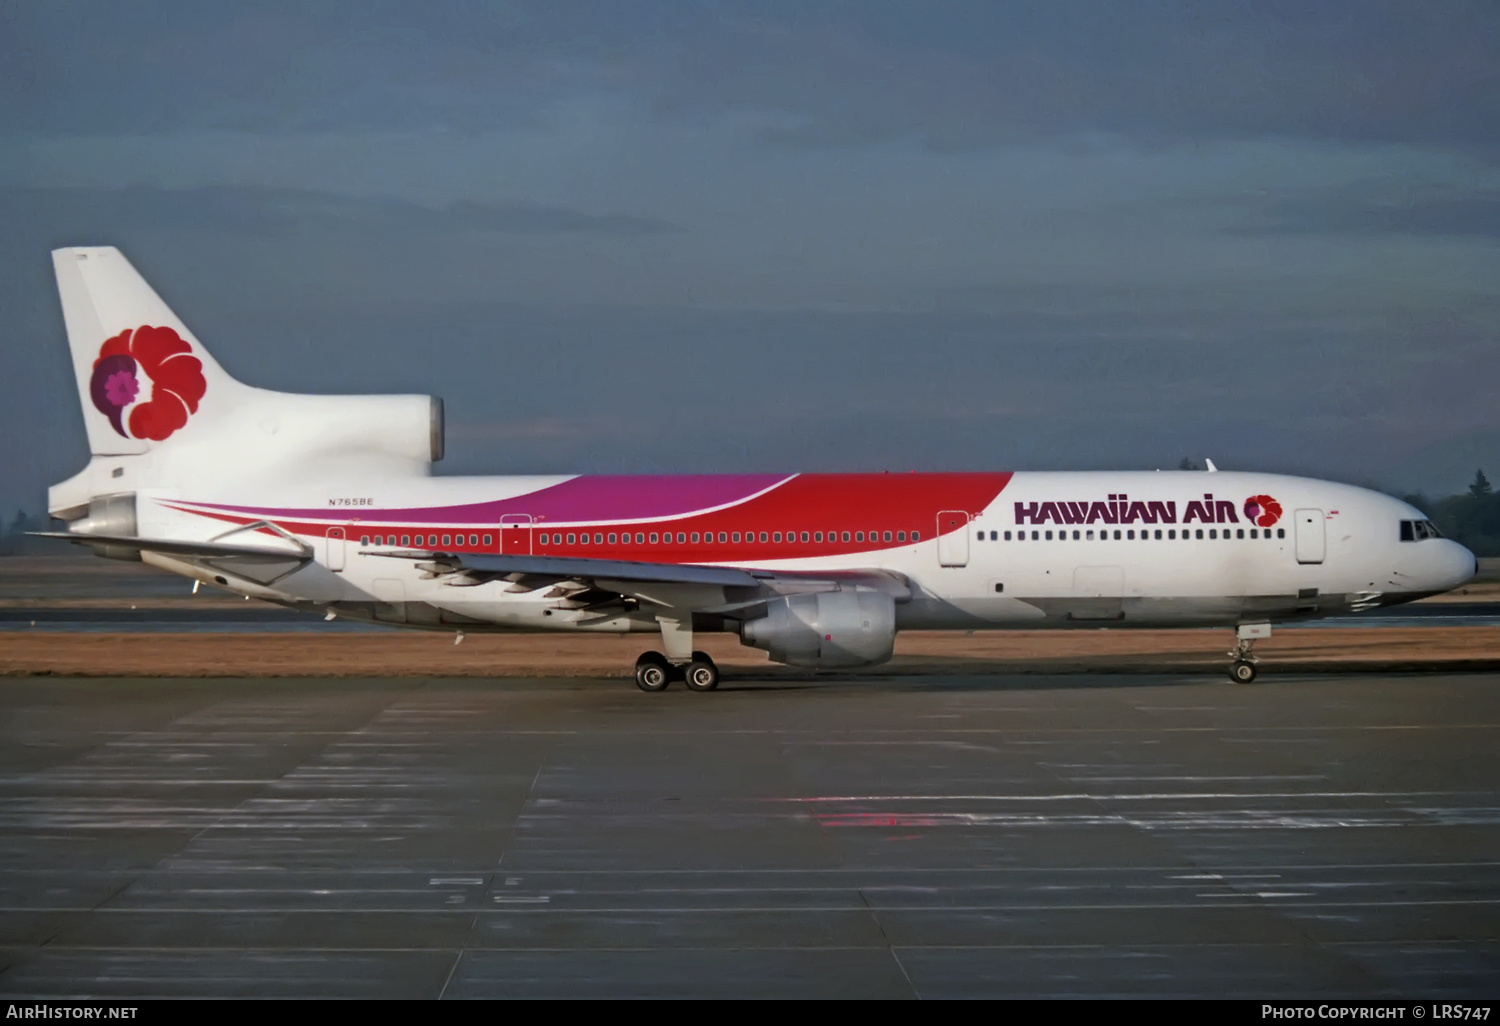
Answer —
(653, 672)
(1242, 670)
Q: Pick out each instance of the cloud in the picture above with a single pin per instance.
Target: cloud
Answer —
(269, 213)
(1388, 209)
(957, 75)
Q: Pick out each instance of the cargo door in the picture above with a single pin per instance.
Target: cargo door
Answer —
(390, 599)
(515, 534)
(953, 538)
(1310, 536)
(1098, 593)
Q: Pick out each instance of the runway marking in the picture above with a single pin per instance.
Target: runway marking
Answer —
(389, 739)
(1149, 796)
(1187, 779)
(534, 906)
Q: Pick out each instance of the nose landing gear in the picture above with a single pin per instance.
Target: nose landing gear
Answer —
(1243, 670)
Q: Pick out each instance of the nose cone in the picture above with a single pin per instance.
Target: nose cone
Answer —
(1448, 564)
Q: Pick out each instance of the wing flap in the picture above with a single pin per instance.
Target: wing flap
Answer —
(547, 569)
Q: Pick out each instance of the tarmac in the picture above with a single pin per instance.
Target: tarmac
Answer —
(927, 835)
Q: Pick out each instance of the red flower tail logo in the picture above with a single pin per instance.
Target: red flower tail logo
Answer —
(1262, 510)
(176, 377)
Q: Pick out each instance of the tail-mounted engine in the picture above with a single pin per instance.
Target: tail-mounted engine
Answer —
(110, 515)
(855, 626)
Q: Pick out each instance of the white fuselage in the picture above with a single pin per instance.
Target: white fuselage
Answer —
(1164, 555)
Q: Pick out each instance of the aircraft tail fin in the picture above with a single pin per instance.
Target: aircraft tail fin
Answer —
(142, 375)
(150, 390)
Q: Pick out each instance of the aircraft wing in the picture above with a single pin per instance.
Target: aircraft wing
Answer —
(720, 588)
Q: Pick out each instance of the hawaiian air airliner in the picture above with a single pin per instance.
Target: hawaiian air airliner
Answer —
(328, 504)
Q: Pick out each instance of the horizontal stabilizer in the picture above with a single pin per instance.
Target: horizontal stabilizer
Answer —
(204, 550)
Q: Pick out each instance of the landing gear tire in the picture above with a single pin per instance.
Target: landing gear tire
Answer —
(701, 674)
(652, 672)
(1242, 672)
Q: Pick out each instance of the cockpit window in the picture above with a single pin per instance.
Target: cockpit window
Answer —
(1419, 530)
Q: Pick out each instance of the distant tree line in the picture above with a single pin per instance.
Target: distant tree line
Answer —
(13, 539)
(1472, 518)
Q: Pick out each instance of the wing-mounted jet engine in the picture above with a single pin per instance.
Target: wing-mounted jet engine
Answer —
(854, 626)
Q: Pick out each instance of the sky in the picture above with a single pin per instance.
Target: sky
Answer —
(651, 237)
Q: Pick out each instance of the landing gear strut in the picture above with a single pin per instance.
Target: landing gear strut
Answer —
(1242, 670)
(653, 672)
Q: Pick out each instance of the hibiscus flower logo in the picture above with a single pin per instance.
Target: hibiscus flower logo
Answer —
(1262, 510)
(176, 378)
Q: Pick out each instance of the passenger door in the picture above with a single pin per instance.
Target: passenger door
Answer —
(336, 549)
(1310, 535)
(953, 538)
(515, 534)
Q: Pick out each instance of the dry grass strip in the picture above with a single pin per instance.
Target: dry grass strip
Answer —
(422, 654)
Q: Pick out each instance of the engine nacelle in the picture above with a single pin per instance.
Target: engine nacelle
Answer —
(110, 514)
(851, 627)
